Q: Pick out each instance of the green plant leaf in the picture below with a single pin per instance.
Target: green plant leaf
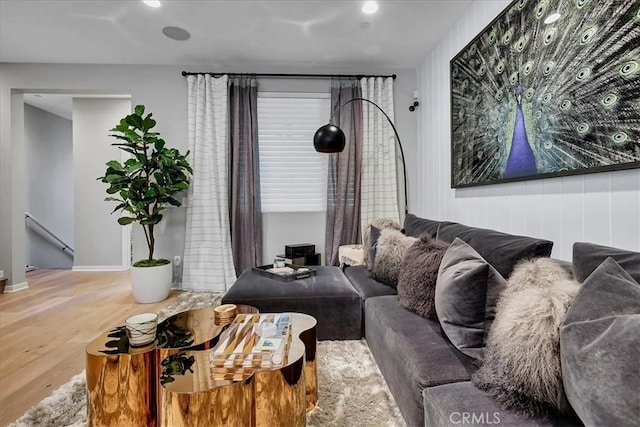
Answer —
(132, 135)
(125, 220)
(112, 178)
(134, 120)
(117, 208)
(159, 144)
(173, 201)
(182, 185)
(139, 109)
(148, 123)
(152, 220)
(115, 165)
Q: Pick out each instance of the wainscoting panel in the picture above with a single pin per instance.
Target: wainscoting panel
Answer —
(602, 208)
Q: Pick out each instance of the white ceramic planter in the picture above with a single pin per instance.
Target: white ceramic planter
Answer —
(151, 284)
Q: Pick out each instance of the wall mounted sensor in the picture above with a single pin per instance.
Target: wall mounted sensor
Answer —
(415, 104)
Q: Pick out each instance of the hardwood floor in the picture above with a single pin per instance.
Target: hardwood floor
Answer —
(44, 330)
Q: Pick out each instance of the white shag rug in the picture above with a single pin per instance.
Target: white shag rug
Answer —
(352, 391)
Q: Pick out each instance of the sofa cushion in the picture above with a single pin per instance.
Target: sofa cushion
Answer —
(587, 257)
(467, 291)
(392, 245)
(415, 226)
(358, 275)
(453, 405)
(599, 343)
(501, 250)
(522, 362)
(411, 353)
(418, 274)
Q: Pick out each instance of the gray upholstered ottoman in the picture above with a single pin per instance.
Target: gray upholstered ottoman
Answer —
(328, 296)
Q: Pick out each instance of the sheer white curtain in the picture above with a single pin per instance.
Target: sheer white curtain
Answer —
(379, 186)
(208, 260)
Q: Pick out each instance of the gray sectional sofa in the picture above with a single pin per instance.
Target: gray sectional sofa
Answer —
(428, 377)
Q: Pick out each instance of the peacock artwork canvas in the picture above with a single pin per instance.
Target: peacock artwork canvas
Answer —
(549, 88)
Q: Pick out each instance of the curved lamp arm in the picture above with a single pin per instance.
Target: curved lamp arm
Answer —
(404, 164)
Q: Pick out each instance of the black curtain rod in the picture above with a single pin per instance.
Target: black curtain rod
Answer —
(297, 76)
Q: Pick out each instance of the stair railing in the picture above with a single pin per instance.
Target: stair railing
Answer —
(65, 247)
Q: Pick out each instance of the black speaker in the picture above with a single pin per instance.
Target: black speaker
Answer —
(299, 250)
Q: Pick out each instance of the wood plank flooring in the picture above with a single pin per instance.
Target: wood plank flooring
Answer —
(44, 330)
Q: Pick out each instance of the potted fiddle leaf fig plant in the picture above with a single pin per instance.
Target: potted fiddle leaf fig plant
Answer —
(144, 186)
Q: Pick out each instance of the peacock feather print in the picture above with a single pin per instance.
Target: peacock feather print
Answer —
(551, 87)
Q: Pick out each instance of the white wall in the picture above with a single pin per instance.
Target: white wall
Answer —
(49, 166)
(98, 236)
(163, 90)
(602, 208)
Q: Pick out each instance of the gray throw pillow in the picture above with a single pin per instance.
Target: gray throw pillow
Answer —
(521, 366)
(600, 347)
(374, 235)
(380, 223)
(418, 275)
(392, 245)
(467, 291)
(587, 257)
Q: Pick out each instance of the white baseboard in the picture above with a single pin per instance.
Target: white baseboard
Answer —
(98, 268)
(16, 288)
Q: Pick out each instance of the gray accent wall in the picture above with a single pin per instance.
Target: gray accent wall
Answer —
(49, 190)
(98, 236)
(163, 90)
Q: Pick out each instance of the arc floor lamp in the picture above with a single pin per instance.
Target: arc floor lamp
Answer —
(330, 139)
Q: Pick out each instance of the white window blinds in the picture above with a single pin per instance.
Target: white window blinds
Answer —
(293, 176)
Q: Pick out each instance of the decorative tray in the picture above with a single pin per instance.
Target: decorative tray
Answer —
(285, 274)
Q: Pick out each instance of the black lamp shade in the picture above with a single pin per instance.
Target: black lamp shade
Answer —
(329, 139)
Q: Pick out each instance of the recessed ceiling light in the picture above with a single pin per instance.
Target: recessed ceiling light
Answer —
(176, 33)
(370, 7)
(152, 3)
(552, 18)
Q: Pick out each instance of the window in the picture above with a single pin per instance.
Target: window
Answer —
(293, 176)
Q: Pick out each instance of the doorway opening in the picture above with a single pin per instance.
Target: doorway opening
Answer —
(67, 143)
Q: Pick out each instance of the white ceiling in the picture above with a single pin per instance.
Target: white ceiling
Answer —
(225, 35)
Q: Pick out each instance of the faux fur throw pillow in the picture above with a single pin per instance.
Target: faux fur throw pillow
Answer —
(380, 223)
(418, 276)
(522, 357)
(392, 246)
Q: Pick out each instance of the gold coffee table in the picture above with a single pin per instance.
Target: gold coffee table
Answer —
(234, 384)
(123, 382)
